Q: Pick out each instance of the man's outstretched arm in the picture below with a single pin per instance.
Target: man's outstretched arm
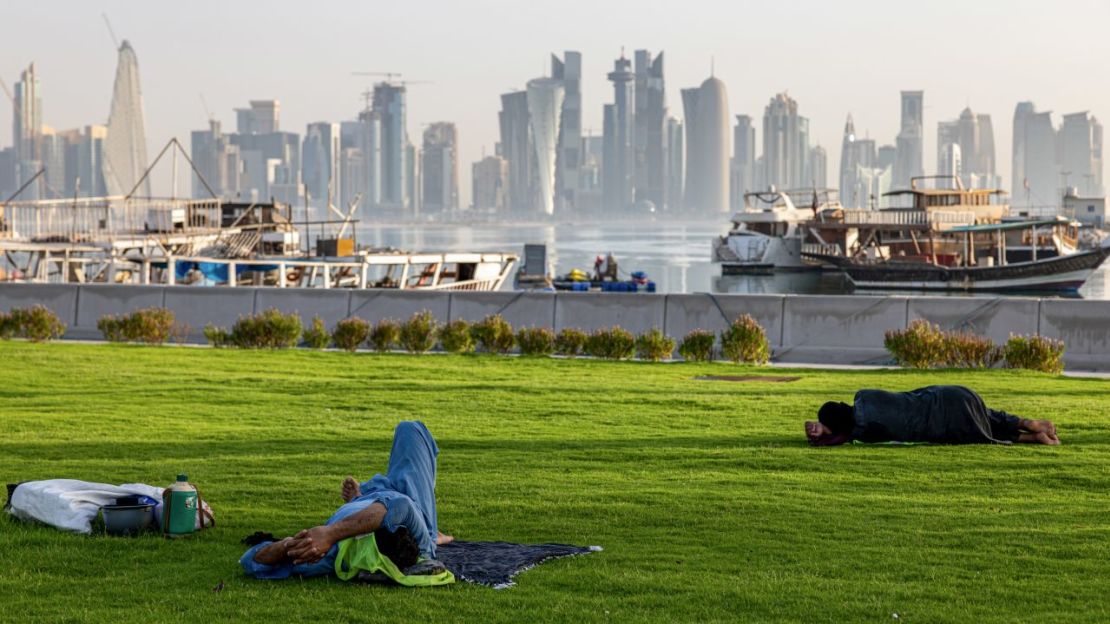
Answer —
(274, 553)
(311, 545)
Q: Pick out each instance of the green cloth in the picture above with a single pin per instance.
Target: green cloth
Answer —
(357, 554)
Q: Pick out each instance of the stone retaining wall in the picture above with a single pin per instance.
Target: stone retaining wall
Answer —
(820, 329)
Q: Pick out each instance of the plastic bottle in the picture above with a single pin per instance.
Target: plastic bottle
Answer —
(179, 508)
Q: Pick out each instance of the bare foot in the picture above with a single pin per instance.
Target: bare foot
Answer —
(350, 489)
(1045, 437)
(442, 539)
(273, 553)
(1040, 426)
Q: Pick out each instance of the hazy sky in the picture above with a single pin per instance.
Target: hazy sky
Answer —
(832, 57)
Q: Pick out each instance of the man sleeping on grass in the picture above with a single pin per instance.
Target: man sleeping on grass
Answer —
(936, 414)
(396, 510)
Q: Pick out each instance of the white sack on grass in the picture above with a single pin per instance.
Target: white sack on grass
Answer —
(72, 505)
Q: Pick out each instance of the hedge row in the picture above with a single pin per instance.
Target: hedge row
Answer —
(37, 324)
(921, 345)
(743, 341)
(925, 345)
(148, 325)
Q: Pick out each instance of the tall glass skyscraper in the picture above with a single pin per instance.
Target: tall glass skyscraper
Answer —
(649, 145)
(390, 107)
(568, 163)
(619, 155)
(545, 106)
(125, 147)
(910, 141)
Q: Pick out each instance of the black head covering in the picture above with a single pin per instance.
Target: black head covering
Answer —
(837, 417)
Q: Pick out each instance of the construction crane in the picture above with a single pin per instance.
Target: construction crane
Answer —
(111, 31)
(207, 111)
(390, 78)
(11, 98)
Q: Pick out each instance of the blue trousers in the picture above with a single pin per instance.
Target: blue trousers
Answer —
(412, 472)
(407, 491)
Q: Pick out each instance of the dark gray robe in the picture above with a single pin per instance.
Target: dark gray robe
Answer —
(938, 414)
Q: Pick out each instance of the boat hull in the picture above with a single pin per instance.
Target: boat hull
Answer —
(1061, 274)
(746, 252)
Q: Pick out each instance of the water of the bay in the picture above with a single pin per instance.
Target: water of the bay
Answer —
(676, 255)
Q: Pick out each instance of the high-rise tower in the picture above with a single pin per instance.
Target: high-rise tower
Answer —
(545, 105)
(27, 115)
(975, 136)
(743, 161)
(1049, 163)
(125, 147)
(569, 160)
(1081, 153)
(676, 158)
(707, 147)
(391, 108)
(619, 152)
(858, 160)
(27, 131)
(516, 148)
(785, 144)
(440, 168)
(910, 141)
(320, 170)
(651, 112)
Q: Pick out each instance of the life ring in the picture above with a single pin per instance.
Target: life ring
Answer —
(294, 275)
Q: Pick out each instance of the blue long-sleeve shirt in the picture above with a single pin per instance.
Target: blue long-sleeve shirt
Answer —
(407, 491)
(400, 511)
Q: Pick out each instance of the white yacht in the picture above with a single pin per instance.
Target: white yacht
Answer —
(769, 232)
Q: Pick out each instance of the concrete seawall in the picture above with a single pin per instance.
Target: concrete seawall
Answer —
(820, 329)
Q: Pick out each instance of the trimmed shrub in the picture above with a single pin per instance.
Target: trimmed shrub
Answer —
(148, 325)
(7, 326)
(921, 345)
(536, 341)
(745, 341)
(267, 330)
(966, 350)
(570, 342)
(654, 345)
(1035, 353)
(180, 333)
(385, 335)
(350, 333)
(37, 324)
(614, 343)
(111, 326)
(697, 346)
(494, 334)
(217, 336)
(456, 337)
(316, 336)
(418, 334)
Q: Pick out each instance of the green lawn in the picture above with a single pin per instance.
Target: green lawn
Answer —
(708, 503)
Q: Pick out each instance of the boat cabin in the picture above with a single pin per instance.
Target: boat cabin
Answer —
(986, 205)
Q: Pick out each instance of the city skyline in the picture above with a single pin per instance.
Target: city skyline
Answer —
(76, 88)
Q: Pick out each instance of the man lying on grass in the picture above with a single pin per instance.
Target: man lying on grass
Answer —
(937, 414)
(397, 508)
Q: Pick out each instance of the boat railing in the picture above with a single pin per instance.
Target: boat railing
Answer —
(92, 219)
(173, 215)
(908, 217)
(821, 249)
(483, 284)
(1038, 212)
(299, 271)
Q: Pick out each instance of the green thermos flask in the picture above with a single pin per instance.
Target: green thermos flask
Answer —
(179, 508)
